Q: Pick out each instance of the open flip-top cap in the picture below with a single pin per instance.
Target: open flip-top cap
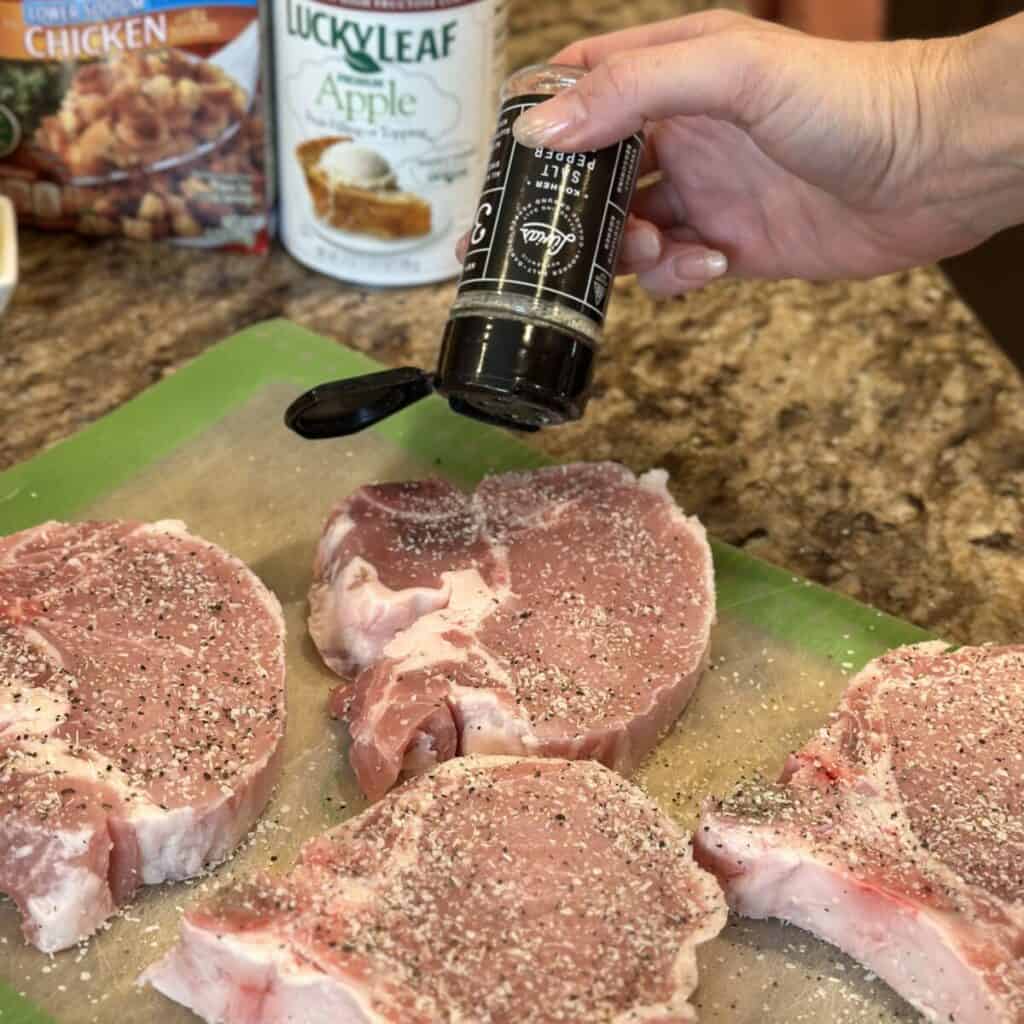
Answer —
(502, 371)
(343, 407)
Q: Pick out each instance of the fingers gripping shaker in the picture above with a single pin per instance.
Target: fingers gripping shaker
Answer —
(519, 346)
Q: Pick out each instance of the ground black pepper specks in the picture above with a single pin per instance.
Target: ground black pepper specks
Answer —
(904, 819)
(492, 890)
(562, 612)
(141, 708)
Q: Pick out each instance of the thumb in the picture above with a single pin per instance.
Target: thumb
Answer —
(704, 76)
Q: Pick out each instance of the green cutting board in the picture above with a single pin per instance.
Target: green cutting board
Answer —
(207, 445)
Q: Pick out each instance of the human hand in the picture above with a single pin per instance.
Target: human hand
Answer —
(783, 155)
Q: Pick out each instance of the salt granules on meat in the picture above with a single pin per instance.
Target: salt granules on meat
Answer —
(141, 715)
(563, 613)
(897, 833)
(506, 890)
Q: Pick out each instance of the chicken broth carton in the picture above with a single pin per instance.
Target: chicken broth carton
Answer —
(138, 118)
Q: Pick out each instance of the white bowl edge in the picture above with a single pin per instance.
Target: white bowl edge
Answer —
(8, 252)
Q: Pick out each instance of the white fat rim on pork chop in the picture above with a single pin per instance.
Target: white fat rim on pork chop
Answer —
(194, 974)
(915, 948)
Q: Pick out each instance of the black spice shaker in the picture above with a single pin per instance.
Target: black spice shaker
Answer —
(522, 336)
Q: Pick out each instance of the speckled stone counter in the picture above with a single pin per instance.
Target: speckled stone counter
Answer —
(868, 434)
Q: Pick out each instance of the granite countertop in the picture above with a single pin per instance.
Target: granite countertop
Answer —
(868, 435)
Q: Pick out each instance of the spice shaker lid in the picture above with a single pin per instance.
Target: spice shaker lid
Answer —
(342, 407)
(513, 373)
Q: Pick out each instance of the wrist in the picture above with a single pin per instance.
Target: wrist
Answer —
(982, 93)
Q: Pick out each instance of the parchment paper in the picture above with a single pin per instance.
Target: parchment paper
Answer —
(262, 493)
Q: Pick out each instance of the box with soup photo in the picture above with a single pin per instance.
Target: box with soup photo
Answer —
(139, 118)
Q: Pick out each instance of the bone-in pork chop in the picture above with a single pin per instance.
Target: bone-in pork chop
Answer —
(898, 832)
(561, 613)
(493, 889)
(141, 715)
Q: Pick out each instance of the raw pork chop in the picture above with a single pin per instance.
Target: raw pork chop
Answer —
(898, 832)
(561, 613)
(141, 715)
(492, 889)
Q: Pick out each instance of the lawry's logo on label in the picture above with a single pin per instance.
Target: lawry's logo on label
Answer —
(536, 233)
(546, 236)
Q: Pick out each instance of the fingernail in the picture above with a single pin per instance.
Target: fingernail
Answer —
(704, 264)
(547, 121)
(641, 247)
